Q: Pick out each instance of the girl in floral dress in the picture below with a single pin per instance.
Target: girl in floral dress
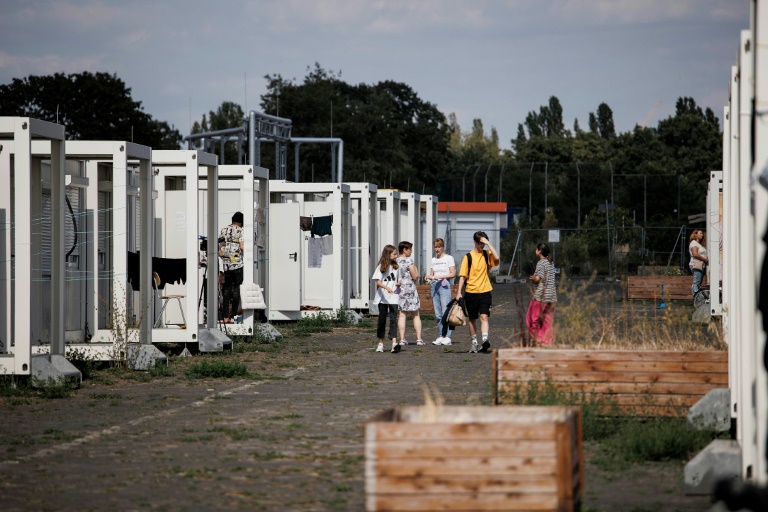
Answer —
(408, 304)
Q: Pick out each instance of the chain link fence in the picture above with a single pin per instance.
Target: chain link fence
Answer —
(611, 251)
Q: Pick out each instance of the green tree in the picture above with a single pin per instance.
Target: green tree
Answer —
(228, 115)
(91, 106)
(693, 141)
(391, 136)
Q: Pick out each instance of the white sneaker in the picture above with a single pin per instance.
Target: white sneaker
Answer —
(380, 348)
(438, 341)
(447, 342)
(473, 350)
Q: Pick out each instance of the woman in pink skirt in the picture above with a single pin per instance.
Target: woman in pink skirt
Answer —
(541, 311)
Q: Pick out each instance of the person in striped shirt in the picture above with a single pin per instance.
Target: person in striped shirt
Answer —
(541, 310)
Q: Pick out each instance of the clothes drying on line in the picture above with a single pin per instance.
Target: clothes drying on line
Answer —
(321, 226)
(170, 270)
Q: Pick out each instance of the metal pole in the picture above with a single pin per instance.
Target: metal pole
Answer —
(608, 236)
(296, 162)
(333, 153)
(578, 195)
(546, 186)
(611, 168)
(530, 192)
(252, 139)
(645, 202)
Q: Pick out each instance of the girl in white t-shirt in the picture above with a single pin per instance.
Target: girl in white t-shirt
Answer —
(442, 270)
(699, 259)
(386, 299)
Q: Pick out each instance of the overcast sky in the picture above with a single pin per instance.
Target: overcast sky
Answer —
(490, 59)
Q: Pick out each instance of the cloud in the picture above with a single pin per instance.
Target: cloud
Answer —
(380, 17)
(602, 12)
(85, 14)
(47, 64)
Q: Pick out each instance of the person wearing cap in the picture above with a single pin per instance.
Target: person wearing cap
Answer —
(231, 248)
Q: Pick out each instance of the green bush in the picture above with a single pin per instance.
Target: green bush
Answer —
(659, 439)
(216, 370)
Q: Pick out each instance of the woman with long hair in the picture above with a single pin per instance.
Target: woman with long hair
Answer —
(699, 258)
(409, 302)
(387, 280)
(540, 317)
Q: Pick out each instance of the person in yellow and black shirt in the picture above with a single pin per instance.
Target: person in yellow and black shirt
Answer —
(475, 272)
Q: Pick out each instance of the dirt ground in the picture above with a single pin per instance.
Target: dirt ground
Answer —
(289, 438)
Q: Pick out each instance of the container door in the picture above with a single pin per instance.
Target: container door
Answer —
(284, 259)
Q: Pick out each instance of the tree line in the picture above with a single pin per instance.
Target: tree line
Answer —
(394, 138)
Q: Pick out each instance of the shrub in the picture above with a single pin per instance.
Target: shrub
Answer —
(216, 370)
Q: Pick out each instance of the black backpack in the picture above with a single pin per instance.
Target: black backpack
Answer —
(469, 261)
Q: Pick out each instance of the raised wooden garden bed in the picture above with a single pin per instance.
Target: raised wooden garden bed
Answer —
(640, 382)
(649, 287)
(474, 458)
(426, 298)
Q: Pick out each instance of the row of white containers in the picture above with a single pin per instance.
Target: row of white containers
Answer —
(72, 211)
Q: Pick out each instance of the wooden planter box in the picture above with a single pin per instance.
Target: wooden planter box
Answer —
(426, 298)
(649, 287)
(474, 458)
(640, 382)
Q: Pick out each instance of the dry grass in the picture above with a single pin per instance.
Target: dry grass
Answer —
(589, 316)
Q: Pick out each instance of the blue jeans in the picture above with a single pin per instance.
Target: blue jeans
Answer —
(698, 277)
(441, 296)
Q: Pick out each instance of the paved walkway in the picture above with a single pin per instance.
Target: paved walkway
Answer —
(291, 439)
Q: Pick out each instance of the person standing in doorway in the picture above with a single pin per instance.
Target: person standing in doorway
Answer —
(231, 248)
(475, 274)
(409, 302)
(386, 298)
(540, 317)
(699, 259)
(442, 270)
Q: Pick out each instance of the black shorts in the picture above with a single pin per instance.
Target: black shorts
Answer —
(478, 304)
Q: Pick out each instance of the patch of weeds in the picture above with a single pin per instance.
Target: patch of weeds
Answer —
(197, 439)
(160, 369)
(235, 434)
(267, 455)
(342, 488)
(659, 439)
(216, 370)
(105, 396)
(53, 389)
(58, 435)
(83, 361)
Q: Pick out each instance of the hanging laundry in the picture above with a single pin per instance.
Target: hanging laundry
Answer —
(321, 226)
(326, 243)
(315, 253)
(170, 270)
(305, 223)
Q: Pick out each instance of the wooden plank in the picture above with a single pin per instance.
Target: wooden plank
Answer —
(717, 379)
(632, 399)
(463, 502)
(465, 431)
(488, 466)
(613, 355)
(660, 388)
(613, 366)
(463, 448)
(466, 483)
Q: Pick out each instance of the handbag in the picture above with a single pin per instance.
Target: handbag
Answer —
(456, 317)
(697, 264)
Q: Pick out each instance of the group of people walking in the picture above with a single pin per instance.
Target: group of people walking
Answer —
(397, 298)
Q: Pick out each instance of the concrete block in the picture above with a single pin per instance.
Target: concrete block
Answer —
(53, 369)
(269, 331)
(505, 279)
(720, 459)
(145, 356)
(213, 340)
(712, 412)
